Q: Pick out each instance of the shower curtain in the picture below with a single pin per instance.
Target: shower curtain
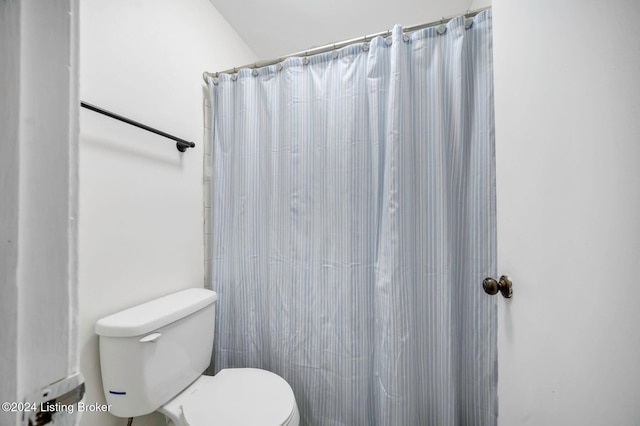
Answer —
(353, 221)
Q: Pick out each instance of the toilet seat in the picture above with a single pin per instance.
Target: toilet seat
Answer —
(238, 397)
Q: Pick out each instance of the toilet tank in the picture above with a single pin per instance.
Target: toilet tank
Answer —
(151, 352)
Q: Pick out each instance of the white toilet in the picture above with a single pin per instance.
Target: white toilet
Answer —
(152, 358)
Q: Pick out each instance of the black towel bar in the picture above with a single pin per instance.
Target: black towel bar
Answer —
(181, 144)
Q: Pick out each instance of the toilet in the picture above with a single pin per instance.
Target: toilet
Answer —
(152, 357)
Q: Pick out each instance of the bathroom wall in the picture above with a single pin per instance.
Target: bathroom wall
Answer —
(9, 208)
(478, 4)
(38, 208)
(141, 215)
(567, 102)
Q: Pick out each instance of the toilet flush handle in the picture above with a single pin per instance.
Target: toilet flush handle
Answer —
(150, 337)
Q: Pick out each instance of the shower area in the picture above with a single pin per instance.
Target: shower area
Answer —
(350, 217)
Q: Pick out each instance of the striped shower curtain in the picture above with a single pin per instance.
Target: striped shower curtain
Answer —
(353, 221)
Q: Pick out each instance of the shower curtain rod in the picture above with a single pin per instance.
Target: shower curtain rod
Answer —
(338, 45)
(181, 144)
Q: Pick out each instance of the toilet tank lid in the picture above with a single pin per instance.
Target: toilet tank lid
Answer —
(157, 313)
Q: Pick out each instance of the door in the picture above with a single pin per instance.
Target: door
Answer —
(567, 101)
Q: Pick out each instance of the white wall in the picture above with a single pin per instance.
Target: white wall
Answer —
(9, 211)
(479, 4)
(567, 99)
(48, 194)
(38, 183)
(141, 208)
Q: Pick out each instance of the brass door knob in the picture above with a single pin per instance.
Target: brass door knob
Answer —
(504, 286)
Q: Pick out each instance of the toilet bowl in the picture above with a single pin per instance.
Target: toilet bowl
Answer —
(152, 358)
(235, 397)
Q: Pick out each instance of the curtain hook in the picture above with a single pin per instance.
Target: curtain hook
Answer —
(441, 29)
(365, 44)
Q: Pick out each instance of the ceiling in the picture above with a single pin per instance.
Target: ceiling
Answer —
(274, 28)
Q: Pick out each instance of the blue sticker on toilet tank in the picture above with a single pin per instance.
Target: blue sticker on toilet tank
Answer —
(117, 393)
